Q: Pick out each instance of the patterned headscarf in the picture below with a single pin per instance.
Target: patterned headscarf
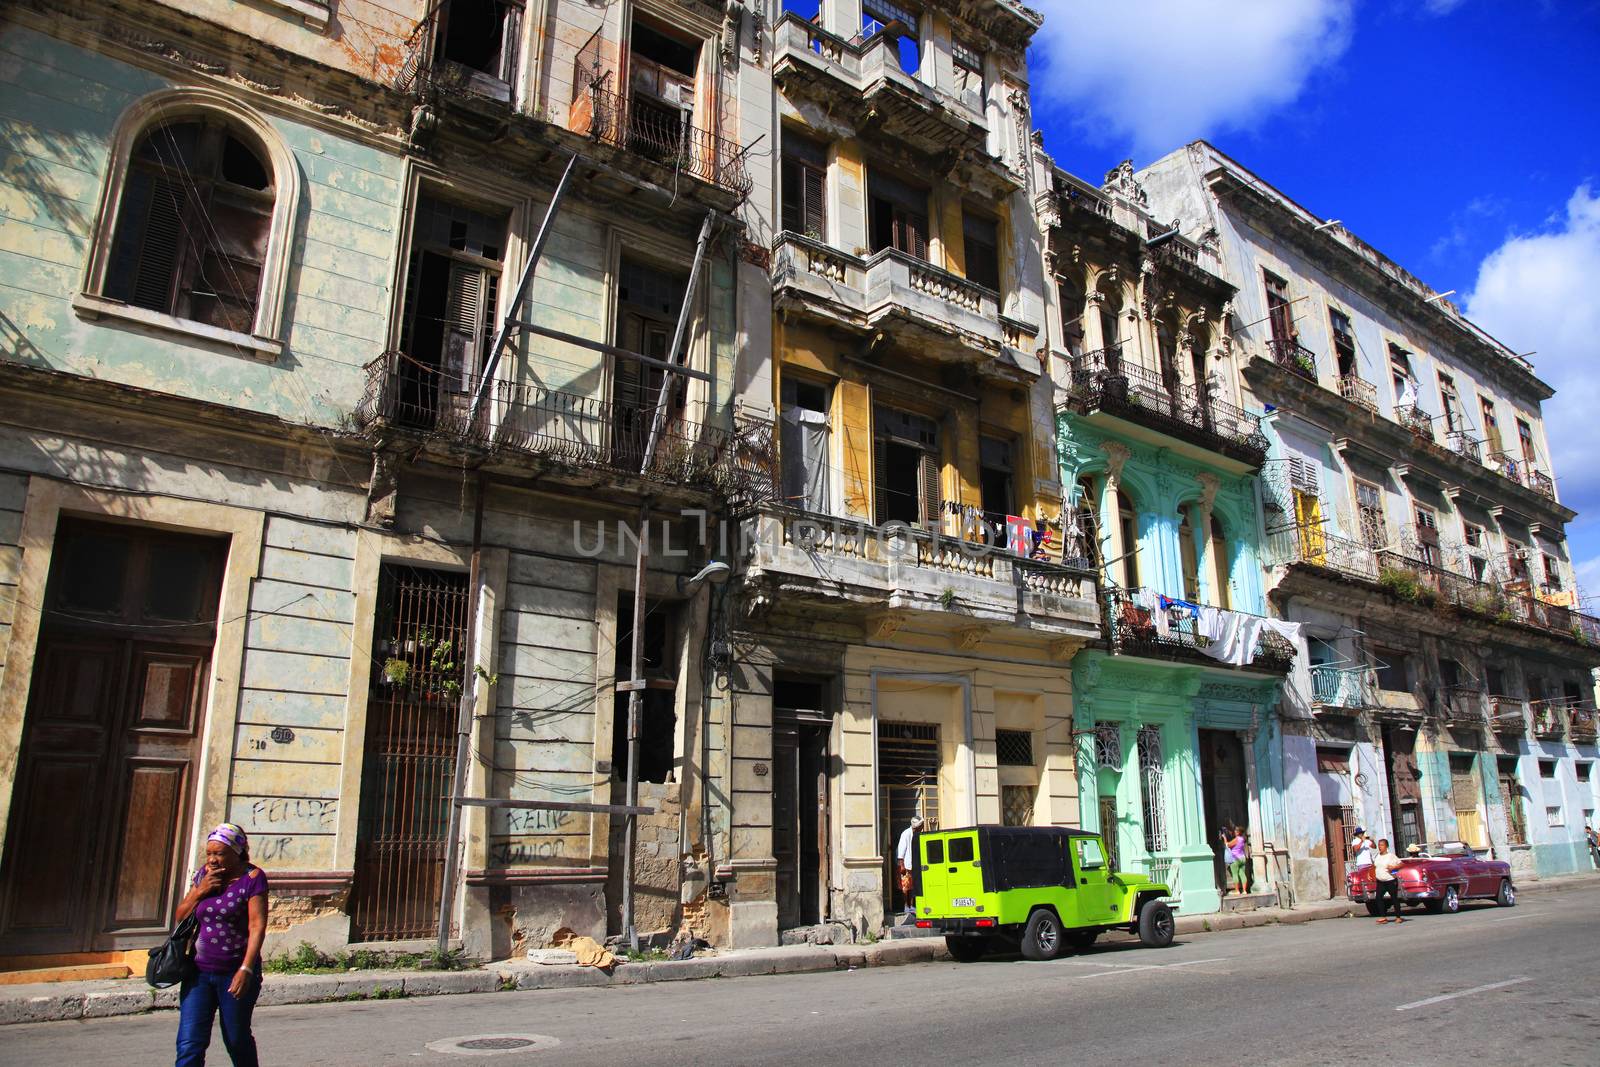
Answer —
(233, 836)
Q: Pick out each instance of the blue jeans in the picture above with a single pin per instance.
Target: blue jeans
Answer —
(201, 998)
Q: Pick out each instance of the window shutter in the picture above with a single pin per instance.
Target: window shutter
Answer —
(930, 489)
(158, 256)
(793, 192)
(463, 319)
(816, 215)
(880, 488)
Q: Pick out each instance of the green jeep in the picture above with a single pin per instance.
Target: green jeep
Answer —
(1033, 888)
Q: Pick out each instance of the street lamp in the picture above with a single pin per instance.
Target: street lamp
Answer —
(716, 572)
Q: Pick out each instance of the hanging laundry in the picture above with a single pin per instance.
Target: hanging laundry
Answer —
(1017, 539)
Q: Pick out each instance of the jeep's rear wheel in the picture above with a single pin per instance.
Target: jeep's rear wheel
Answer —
(1081, 939)
(1041, 938)
(967, 949)
(1156, 925)
(1507, 897)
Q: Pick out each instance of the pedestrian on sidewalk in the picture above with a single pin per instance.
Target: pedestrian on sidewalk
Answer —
(1383, 868)
(1361, 849)
(905, 858)
(230, 897)
(1236, 854)
(1593, 838)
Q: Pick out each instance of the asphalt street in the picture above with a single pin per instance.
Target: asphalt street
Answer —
(1488, 985)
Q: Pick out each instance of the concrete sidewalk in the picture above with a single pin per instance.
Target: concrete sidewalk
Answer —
(130, 996)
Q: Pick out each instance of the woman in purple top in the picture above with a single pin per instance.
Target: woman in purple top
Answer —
(230, 898)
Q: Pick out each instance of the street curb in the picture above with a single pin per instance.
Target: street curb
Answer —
(106, 998)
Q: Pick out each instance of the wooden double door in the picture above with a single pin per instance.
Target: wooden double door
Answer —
(105, 783)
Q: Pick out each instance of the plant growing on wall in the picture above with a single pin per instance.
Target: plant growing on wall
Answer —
(441, 678)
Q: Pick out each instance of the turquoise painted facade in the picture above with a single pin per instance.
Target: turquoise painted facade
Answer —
(1172, 746)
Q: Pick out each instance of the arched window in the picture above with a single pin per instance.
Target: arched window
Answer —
(1223, 564)
(1128, 521)
(195, 222)
(193, 225)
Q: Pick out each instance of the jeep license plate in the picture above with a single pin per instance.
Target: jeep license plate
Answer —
(963, 902)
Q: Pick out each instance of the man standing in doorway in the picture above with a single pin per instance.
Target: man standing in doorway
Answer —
(905, 858)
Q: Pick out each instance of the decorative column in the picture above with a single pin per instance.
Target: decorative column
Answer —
(1110, 519)
(1213, 572)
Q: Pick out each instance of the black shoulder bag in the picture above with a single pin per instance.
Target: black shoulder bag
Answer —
(174, 960)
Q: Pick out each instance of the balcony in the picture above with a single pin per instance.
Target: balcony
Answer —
(1293, 357)
(1461, 705)
(1315, 547)
(1507, 715)
(663, 136)
(1549, 718)
(1581, 723)
(1105, 381)
(804, 557)
(1135, 629)
(1339, 689)
(1464, 445)
(525, 424)
(1359, 392)
(1413, 418)
(923, 307)
(861, 80)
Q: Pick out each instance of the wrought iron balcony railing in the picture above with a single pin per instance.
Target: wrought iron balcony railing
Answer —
(1136, 625)
(1581, 723)
(1464, 444)
(1316, 547)
(1105, 380)
(1359, 392)
(1416, 420)
(1541, 483)
(1293, 356)
(1342, 688)
(1461, 705)
(1549, 718)
(665, 136)
(1507, 715)
(568, 430)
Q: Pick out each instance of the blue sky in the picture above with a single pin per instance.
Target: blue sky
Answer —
(1460, 137)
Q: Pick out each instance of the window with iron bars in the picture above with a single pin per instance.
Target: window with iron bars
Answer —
(1013, 748)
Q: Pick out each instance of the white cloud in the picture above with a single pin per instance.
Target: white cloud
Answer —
(1441, 7)
(1161, 73)
(1537, 292)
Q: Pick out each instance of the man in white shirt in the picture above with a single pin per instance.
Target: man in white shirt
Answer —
(905, 859)
(1383, 868)
(1361, 849)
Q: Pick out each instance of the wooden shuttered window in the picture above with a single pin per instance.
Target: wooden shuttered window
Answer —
(906, 468)
(897, 215)
(193, 225)
(981, 243)
(805, 188)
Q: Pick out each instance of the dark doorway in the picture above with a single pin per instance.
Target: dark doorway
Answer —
(1223, 789)
(1337, 832)
(105, 780)
(1405, 788)
(801, 726)
(413, 701)
(908, 785)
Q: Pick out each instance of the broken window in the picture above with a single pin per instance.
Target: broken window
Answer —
(1344, 343)
(981, 238)
(452, 286)
(1496, 680)
(968, 62)
(1491, 425)
(481, 35)
(805, 449)
(906, 468)
(1391, 671)
(1279, 312)
(658, 722)
(805, 187)
(1552, 574)
(1405, 381)
(1453, 420)
(1427, 536)
(648, 301)
(996, 480)
(1525, 437)
(1082, 540)
(1517, 561)
(661, 79)
(897, 215)
(193, 225)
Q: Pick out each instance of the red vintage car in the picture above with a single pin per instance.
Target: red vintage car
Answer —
(1440, 880)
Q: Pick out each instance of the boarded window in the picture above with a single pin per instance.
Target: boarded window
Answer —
(805, 187)
(1333, 760)
(193, 225)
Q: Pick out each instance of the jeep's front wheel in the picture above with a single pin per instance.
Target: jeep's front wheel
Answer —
(1156, 925)
(967, 949)
(1041, 938)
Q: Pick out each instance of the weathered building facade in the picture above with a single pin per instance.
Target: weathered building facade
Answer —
(1414, 529)
(279, 495)
(1176, 708)
(909, 612)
